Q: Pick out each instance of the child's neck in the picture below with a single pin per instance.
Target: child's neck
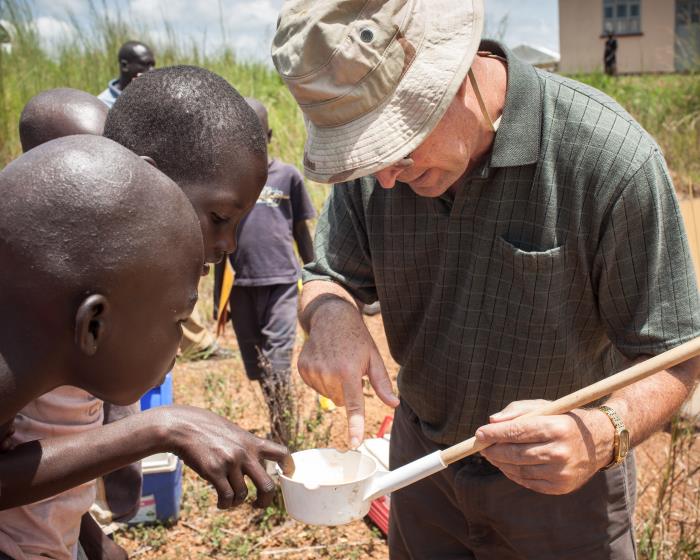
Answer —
(22, 379)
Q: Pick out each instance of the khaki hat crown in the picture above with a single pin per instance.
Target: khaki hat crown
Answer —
(341, 60)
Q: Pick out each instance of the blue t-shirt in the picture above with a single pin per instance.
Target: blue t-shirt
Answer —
(265, 252)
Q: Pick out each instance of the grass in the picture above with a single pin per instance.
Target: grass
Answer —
(668, 107)
(88, 61)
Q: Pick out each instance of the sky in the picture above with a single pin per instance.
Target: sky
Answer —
(249, 24)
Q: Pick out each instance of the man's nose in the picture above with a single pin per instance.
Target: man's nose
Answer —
(387, 177)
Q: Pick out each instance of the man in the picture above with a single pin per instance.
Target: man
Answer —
(135, 59)
(522, 235)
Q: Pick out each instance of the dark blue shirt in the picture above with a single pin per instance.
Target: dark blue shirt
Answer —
(265, 252)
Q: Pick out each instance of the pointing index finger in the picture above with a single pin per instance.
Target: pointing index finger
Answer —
(355, 410)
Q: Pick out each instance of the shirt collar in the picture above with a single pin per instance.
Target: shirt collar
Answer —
(114, 87)
(517, 140)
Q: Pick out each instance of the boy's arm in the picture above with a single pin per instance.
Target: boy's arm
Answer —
(305, 244)
(216, 449)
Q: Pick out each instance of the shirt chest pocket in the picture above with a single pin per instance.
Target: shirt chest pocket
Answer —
(525, 291)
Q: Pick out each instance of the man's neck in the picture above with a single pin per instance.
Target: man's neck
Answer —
(492, 77)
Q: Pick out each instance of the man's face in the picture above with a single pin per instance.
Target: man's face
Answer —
(438, 163)
(222, 202)
(140, 62)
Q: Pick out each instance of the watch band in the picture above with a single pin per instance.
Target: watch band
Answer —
(621, 441)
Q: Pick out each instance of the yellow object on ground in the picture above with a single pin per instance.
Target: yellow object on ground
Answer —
(327, 405)
(224, 296)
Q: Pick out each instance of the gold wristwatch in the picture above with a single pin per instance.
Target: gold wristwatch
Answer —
(621, 445)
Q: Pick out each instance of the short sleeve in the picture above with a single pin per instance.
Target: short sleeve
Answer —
(341, 245)
(302, 208)
(643, 272)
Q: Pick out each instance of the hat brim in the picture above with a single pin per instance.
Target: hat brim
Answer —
(399, 125)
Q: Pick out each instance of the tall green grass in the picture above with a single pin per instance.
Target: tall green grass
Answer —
(668, 107)
(88, 60)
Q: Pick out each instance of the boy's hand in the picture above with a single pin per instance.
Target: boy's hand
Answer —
(223, 454)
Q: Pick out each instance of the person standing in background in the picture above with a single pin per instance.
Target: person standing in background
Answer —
(610, 56)
(135, 58)
(263, 301)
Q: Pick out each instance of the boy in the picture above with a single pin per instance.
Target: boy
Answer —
(48, 115)
(197, 129)
(263, 301)
(60, 112)
(75, 305)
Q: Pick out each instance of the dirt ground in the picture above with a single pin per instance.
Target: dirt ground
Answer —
(205, 532)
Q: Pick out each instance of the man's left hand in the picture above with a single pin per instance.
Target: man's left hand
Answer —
(548, 454)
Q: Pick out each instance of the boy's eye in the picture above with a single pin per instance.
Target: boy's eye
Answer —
(218, 219)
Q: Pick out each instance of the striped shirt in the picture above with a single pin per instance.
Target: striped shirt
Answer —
(562, 256)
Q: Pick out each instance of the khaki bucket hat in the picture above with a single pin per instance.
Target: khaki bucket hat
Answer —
(372, 78)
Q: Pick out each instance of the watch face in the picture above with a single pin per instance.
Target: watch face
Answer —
(624, 443)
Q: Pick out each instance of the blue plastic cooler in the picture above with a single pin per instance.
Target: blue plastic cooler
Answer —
(162, 473)
(159, 396)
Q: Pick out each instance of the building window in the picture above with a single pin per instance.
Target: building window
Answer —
(621, 17)
(687, 12)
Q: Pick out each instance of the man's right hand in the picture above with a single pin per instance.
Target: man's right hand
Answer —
(339, 353)
(222, 453)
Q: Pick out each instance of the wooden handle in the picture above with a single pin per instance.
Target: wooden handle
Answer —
(590, 393)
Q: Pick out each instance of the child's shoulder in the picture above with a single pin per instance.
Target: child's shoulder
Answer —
(287, 169)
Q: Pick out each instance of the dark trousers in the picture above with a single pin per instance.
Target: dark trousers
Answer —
(472, 511)
(264, 319)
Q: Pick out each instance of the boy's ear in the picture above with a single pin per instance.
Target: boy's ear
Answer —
(92, 323)
(269, 135)
(123, 64)
(149, 160)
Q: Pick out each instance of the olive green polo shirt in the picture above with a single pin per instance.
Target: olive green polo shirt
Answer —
(562, 255)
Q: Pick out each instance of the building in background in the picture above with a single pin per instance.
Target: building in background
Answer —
(652, 35)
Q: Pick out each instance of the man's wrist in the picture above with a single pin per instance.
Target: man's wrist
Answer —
(603, 435)
(326, 302)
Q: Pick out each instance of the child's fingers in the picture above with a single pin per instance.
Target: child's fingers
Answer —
(240, 490)
(279, 454)
(263, 482)
(224, 492)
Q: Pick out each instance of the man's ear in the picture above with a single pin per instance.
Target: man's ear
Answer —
(269, 135)
(123, 64)
(92, 322)
(149, 160)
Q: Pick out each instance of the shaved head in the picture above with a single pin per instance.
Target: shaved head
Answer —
(60, 112)
(98, 250)
(260, 111)
(97, 207)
